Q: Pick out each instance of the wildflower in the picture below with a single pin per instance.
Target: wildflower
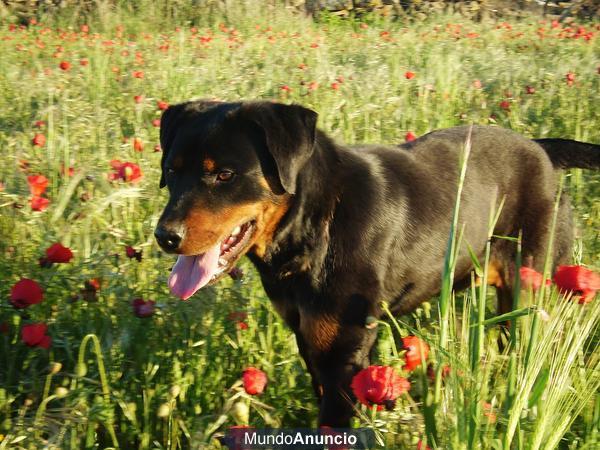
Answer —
(64, 65)
(39, 203)
(138, 99)
(25, 293)
(126, 171)
(488, 411)
(582, 281)
(531, 279)
(40, 124)
(505, 105)
(34, 335)
(378, 385)
(285, 88)
(162, 105)
(156, 123)
(477, 84)
(37, 184)
(39, 140)
(570, 77)
(84, 62)
(409, 75)
(422, 446)
(143, 308)
(137, 74)
(132, 253)
(90, 289)
(255, 380)
(416, 351)
(138, 144)
(57, 253)
(529, 90)
(410, 136)
(335, 86)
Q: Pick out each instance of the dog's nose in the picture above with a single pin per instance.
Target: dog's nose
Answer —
(168, 238)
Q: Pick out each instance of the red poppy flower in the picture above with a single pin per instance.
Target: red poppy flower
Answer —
(529, 90)
(84, 62)
(138, 144)
(156, 123)
(409, 75)
(255, 380)
(67, 171)
(162, 105)
(570, 77)
(410, 136)
(40, 124)
(378, 385)
(133, 253)
(138, 99)
(488, 411)
(422, 446)
(477, 84)
(335, 86)
(505, 105)
(37, 184)
(39, 140)
(85, 28)
(137, 74)
(143, 308)
(415, 347)
(57, 253)
(531, 279)
(25, 292)
(39, 203)
(64, 65)
(34, 335)
(90, 289)
(126, 171)
(285, 88)
(581, 281)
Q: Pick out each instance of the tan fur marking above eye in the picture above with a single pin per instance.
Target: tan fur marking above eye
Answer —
(209, 165)
(319, 331)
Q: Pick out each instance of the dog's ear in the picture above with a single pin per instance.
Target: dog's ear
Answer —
(172, 118)
(290, 136)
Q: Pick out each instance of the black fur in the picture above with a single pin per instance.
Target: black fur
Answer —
(371, 223)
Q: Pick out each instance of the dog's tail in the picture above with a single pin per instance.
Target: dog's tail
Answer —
(566, 154)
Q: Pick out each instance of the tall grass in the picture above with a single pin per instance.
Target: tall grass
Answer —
(172, 380)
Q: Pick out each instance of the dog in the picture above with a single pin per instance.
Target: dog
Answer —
(334, 230)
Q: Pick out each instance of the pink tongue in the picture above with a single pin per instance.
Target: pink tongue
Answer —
(190, 273)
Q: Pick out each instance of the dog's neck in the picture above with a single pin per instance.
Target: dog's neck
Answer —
(301, 244)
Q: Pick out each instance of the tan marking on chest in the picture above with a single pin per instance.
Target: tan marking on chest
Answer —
(319, 332)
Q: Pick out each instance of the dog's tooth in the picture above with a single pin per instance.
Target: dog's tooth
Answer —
(223, 261)
(236, 231)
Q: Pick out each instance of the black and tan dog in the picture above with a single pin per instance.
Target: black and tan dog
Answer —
(334, 230)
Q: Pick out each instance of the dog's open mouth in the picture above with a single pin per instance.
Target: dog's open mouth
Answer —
(190, 273)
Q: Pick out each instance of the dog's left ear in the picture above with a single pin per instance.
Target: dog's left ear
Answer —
(290, 136)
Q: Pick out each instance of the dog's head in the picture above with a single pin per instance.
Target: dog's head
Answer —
(230, 169)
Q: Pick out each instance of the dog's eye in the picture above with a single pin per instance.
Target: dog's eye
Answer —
(225, 176)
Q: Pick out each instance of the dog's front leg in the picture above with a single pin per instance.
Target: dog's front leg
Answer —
(335, 354)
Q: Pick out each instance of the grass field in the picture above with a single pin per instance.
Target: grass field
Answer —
(91, 87)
